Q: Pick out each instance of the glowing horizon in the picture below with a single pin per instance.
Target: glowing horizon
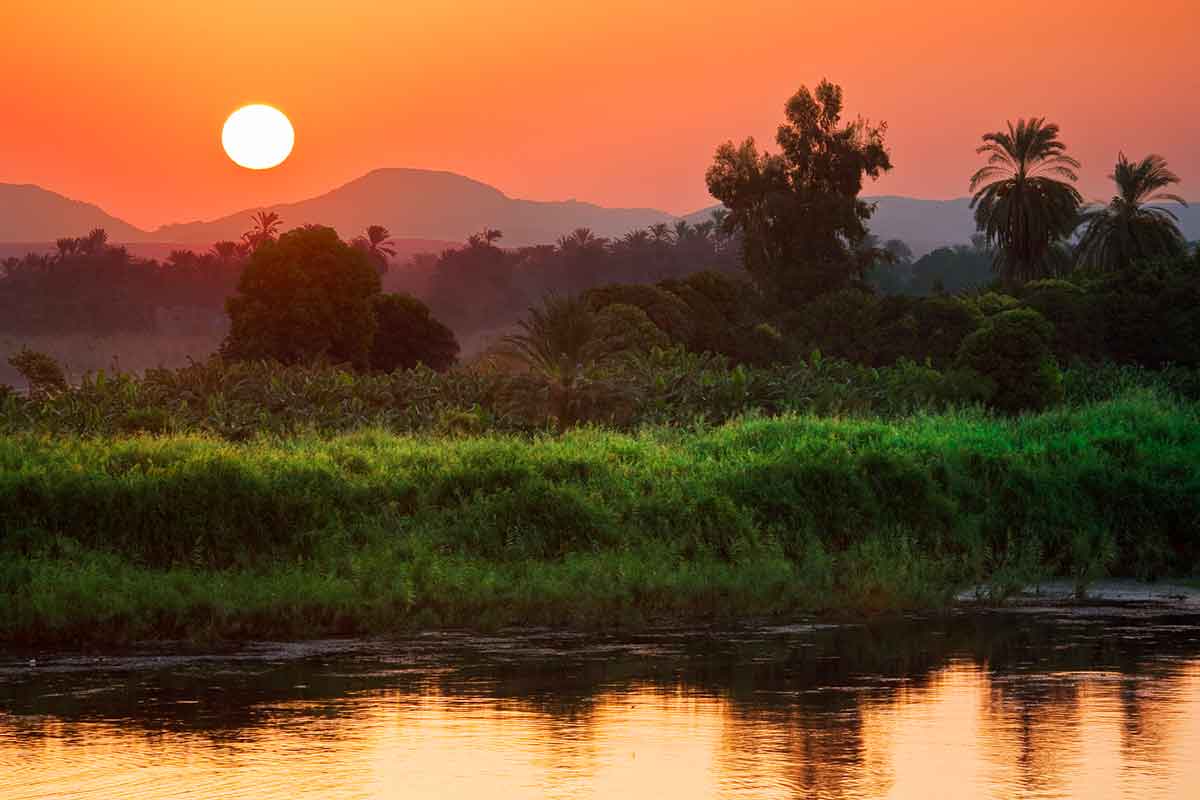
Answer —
(616, 104)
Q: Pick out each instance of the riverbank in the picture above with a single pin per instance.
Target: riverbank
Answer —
(118, 539)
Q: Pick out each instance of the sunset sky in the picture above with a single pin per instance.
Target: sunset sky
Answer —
(121, 103)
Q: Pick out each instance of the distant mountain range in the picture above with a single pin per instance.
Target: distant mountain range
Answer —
(436, 208)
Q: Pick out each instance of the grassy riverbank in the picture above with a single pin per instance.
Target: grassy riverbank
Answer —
(112, 539)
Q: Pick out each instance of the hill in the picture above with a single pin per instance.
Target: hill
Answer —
(415, 203)
(31, 214)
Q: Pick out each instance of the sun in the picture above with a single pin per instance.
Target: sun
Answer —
(258, 137)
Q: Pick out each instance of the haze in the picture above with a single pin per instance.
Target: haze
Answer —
(619, 103)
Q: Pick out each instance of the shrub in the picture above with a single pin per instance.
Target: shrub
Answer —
(43, 374)
(622, 328)
(665, 309)
(1013, 352)
(406, 334)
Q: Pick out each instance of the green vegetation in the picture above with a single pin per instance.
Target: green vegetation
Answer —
(190, 536)
(658, 438)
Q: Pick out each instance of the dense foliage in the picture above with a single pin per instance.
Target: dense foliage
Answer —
(307, 296)
(186, 535)
(406, 335)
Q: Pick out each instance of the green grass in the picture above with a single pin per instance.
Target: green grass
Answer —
(112, 539)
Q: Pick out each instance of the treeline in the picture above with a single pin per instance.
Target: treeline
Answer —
(90, 286)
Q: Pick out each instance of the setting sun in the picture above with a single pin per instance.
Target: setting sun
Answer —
(258, 137)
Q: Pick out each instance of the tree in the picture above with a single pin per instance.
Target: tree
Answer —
(1024, 199)
(407, 334)
(225, 253)
(798, 213)
(265, 226)
(377, 244)
(95, 242)
(1129, 228)
(308, 295)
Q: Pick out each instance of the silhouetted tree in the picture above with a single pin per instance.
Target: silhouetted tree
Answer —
(265, 226)
(407, 334)
(377, 244)
(1129, 228)
(308, 295)
(1024, 199)
(799, 213)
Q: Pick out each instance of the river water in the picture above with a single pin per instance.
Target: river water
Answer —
(1064, 703)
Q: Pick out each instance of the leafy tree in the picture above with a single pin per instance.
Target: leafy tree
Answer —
(308, 295)
(798, 213)
(377, 244)
(407, 335)
(1024, 199)
(1129, 228)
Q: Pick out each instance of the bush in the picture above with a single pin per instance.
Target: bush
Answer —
(308, 296)
(406, 335)
(665, 309)
(1013, 352)
(43, 374)
(622, 328)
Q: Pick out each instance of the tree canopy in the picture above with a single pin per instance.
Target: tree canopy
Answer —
(1024, 199)
(308, 295)
(799, 213)
(1129, 227)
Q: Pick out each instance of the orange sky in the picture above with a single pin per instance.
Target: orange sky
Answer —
(619, 102)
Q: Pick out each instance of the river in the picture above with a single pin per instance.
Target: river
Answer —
(1048, 702)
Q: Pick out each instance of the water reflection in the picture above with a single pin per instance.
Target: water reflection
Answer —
(998, 706)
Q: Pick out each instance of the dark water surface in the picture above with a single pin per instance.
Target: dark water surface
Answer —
(1083, 703)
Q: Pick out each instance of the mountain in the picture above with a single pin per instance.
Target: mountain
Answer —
(32, 214)
(417, 203)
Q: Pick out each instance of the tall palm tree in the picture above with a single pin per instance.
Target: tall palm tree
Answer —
(660, 232)
(265, 226)
(66, 247)
(1129, 228)
(226, 252)
(94, 242)
(555, 343)
(377, 244)
(1024, 199)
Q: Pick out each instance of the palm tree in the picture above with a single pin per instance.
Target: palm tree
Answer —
(265, 226)
(94, 242)
(1129, 228)
(555, 343)
(66, 247)
(1024, 199)
(377, 244)
(660, 232)
(226, 252)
